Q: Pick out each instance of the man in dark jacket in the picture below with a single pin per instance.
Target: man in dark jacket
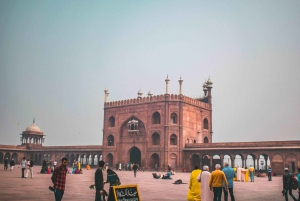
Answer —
(287, 184)
(12, 164)
(135, 168)
(99, 181)
(5, 163)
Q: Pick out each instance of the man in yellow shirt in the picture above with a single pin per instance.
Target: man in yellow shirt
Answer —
(252, 171)
(217, 178)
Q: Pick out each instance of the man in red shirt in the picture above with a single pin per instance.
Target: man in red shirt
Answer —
(59, 179)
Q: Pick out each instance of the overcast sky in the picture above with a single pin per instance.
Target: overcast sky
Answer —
(57, 57)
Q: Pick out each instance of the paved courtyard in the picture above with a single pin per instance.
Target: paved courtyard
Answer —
(13, 187)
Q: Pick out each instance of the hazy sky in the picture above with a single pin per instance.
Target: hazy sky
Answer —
(57, 57)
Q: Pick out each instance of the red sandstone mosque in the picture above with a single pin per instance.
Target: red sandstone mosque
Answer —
(160, 130)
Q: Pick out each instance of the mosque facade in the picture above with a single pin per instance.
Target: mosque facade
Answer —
(159, 130)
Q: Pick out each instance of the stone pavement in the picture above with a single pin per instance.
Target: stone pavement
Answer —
(13, 187)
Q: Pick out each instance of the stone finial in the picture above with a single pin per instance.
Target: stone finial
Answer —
(150, 93)
(140, 93)
(167, 82)
(106, 95)
(209, 83)
(180, 85)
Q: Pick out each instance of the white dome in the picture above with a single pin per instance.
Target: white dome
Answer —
(33, 127)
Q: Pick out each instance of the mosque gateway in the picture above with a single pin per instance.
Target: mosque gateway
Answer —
(160, 130)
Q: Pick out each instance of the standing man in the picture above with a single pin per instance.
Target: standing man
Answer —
(59, 179)
(30, 168)
(99, 182)
(206, 194)
(135, 168)
(229, 173)
(287, 184)
(252, 171)
(23, 166)
(5, 163)
(12, 164)
(269, 173)
(239, 173)
(217, 178)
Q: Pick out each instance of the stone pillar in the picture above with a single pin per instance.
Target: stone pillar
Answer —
(180, 85)
(106, 95)
(167, 83)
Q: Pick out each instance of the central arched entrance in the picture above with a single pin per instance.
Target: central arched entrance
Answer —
(135, 156)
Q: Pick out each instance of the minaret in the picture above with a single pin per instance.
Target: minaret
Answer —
(209, 87)
(167, 82)
(106, 95)
(205, 88)
(180, 86)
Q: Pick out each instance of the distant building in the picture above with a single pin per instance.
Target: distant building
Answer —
(161, 130)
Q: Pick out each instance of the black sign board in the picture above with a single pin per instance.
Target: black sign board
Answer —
(127, 193)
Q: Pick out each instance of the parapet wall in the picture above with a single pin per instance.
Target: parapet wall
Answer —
(158, 98)
(294, 143)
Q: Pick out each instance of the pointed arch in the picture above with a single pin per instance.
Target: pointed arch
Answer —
(111, 121)
(173, 118)
(205, 123)
(173, 139)
(155, 118)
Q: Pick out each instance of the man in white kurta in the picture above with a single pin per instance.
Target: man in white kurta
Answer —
(239, 174)
(206, 193)
(243, 174)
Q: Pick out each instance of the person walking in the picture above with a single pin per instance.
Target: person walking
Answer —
(12, 164)
(229, 173)
(30, 168)
(5, 164)
(287, 185)
(135, 168)
(252, 171)
(194, 193)
(99, 182)
(269, 173)
(23, 166)
(217, 178)
(59, 179)
(203, 178)
(113, 180)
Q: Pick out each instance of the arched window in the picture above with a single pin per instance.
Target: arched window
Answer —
(205, 122)
(155, 139)
(173, 139)
(205, 140)
(110, 140)
(194, 141)
(111, 122)
(156, 118)
(173, 118)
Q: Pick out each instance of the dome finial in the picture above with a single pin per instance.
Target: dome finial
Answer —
(34, 120)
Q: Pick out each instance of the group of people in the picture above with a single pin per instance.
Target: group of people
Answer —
(77, 169)
(206, 186)
(11, 164)
(27, 164)
(48, 167)
(242, 174)
(125, 166)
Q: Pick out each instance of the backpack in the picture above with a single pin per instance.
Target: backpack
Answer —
(294, 183)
